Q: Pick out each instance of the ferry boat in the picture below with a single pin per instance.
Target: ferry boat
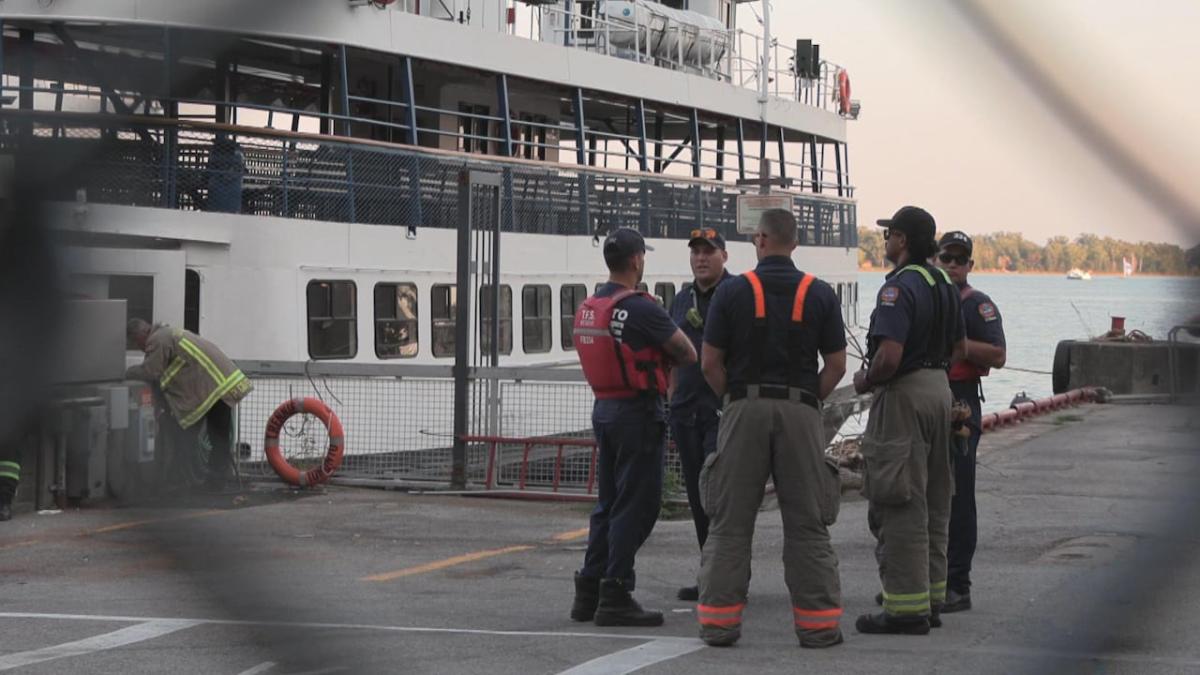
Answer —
(283, 177)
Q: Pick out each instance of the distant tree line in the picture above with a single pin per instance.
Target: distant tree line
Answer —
(1011, 252)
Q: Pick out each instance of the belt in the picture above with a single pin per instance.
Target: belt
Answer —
(936, 365)
(773, 391)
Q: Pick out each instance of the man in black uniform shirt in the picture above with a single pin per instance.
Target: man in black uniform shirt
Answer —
(695, 409)
(916, 331)
(985, 350)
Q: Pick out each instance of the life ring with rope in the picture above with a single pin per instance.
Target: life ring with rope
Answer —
(843, 92)
(333, 456)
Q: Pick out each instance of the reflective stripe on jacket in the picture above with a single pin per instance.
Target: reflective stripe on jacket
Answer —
(192, 372)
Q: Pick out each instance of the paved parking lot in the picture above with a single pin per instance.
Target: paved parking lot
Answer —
(1082, 567)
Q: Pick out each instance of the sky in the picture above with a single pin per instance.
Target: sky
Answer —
(947, 125)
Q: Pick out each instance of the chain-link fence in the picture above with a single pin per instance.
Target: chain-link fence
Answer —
(529, 429)
(195, 166)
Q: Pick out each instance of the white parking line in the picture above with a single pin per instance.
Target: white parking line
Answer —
(636, 658)
(347, 626)
(260, 668)
(120, 638)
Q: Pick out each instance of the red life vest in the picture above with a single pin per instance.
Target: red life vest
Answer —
(612, 368)
(965, 371)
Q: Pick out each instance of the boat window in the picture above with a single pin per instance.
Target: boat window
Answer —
(396, 320)
(191, 301)
(473, 128)
(138, 293)
(665, 291)
(536, 314)
(486, 315)
(332, 319)
(443, 305)
(571, 296)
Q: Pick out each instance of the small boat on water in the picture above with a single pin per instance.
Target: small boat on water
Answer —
(1077, 274)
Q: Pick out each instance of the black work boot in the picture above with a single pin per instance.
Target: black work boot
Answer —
(689, 593)
(587, 596)
(883, 623)
(5, 509)
(935, 615)
(618, 608)
(957, 602)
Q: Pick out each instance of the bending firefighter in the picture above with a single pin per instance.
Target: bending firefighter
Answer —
(985, 350)
(198, 382)
(765, 333)
(626, 342)
(916, 331)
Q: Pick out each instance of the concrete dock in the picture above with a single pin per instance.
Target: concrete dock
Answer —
(1087, 563)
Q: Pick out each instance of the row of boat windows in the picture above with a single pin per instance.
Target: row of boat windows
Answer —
(332, 311)
(333, 317)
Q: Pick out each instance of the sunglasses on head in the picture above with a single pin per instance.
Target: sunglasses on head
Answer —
(705, 232)
(961, 258)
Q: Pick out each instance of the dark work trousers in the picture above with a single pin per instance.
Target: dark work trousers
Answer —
(963, 526)
(219, 420)
(629, 473)
(694, 430)
(10, 468)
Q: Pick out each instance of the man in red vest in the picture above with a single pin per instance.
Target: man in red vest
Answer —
(626, 341)
(985, 350)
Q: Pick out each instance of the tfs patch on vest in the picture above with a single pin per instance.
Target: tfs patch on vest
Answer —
(988, 311)
(889, 295)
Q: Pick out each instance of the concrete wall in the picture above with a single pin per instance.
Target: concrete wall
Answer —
(1132, 368)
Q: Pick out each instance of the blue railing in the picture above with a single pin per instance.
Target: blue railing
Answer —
(206, 167)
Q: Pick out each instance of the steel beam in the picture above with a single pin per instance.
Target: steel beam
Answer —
(640, 114)
(580, 129)
(506, 144)
(696, 145)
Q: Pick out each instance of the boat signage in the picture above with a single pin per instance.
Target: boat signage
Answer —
(751, 207)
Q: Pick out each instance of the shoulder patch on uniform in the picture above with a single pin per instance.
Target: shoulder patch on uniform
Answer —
(988, 311)
(888, 295)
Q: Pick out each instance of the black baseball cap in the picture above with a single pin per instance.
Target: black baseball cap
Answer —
(707, 235)
(956, 238)
(624, 242)
(912, 221)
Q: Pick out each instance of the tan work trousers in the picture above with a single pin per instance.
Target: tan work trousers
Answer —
(781, 439)
(909, 484)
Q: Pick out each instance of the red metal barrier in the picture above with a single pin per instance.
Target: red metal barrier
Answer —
(527, 446)
(1022, 411)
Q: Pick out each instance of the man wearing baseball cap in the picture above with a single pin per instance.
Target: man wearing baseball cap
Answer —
(916, 331)
(985, 350)
(694, 407)
(626, 343)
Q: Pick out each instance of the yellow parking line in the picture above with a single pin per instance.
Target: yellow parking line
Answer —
(572, 535)
(448, 562)
(138, 523)
(19, 544)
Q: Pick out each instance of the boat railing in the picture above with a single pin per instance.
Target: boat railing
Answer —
(203, 166)
(386, 120)
(733, 56)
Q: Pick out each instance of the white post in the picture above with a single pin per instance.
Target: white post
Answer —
(763, 75)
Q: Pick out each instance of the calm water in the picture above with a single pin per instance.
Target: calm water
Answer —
(1037, 314)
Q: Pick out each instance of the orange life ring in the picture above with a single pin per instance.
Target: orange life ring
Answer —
(843, 92)
(333, 456)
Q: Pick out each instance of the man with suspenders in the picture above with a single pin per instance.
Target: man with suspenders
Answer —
(764, 332)
(985, 350)
(916, 331)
